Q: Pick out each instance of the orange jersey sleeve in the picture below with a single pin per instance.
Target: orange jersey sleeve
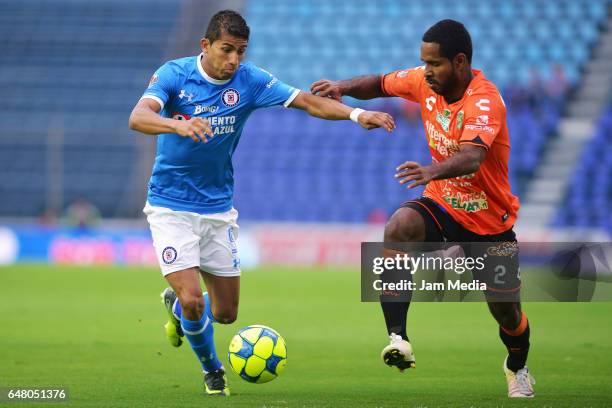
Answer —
(485, 117)
(407, 84)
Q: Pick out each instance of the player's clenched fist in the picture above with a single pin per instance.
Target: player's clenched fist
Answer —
(195, 128)
(327, 88)
(373, 120)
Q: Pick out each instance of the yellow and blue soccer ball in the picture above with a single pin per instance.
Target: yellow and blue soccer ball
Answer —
(258, 354)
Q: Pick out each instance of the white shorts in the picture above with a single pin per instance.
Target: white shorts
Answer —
(185, 240)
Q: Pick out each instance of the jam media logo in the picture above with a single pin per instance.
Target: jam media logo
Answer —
(169, 255)
(230, 97)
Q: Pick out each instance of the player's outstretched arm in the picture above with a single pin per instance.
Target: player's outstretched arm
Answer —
(361, 87)
(145, 118)
(466, 161)
(330, 109)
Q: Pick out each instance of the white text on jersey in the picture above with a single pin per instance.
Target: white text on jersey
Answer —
(222, 124)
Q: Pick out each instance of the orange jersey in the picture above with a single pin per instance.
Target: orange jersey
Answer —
(481, 202)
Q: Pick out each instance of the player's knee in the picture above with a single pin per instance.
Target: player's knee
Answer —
(511, 319)
(225, 315)
(507, 314)
(405, 225)
(192, 303)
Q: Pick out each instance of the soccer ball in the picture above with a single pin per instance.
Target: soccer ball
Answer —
(258, 354)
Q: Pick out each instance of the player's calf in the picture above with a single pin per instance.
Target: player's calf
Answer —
(192, 304)
(507, 314)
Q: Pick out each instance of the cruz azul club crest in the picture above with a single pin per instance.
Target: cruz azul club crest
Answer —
(230, 97)
(169, 255)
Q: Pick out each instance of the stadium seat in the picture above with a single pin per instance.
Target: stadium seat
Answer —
(590, 201)
(77, 71)
(63, 70)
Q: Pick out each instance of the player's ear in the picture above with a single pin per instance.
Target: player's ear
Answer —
(460, 60)
(205, 44)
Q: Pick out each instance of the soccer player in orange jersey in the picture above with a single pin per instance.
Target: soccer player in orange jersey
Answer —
(467, 196)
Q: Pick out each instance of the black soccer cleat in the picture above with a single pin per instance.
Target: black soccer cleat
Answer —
(215, 384)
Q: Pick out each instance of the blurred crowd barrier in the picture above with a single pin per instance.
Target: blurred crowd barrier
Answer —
(260, 244)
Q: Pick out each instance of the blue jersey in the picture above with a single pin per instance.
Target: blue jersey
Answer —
(196, 176)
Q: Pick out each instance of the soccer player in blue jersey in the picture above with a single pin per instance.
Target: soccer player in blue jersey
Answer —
(198, 106)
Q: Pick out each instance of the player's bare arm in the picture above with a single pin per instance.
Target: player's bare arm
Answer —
(145, 118)
(330, 109)
(361, 87)
(466, 161)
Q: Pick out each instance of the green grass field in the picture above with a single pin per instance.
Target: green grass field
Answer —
(98, 332)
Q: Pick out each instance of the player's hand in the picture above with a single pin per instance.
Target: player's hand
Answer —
(327, 88)
(372, 120)
(195, 128)
(413, 171)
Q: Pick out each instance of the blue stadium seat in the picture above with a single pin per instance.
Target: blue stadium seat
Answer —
(590, 201)
(63, 69)
(286, 160)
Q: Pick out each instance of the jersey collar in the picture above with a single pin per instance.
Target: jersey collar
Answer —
(207, 77)
(477, 76)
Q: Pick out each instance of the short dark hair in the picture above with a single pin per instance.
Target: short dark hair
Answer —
(453, 38)
(229, 21)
